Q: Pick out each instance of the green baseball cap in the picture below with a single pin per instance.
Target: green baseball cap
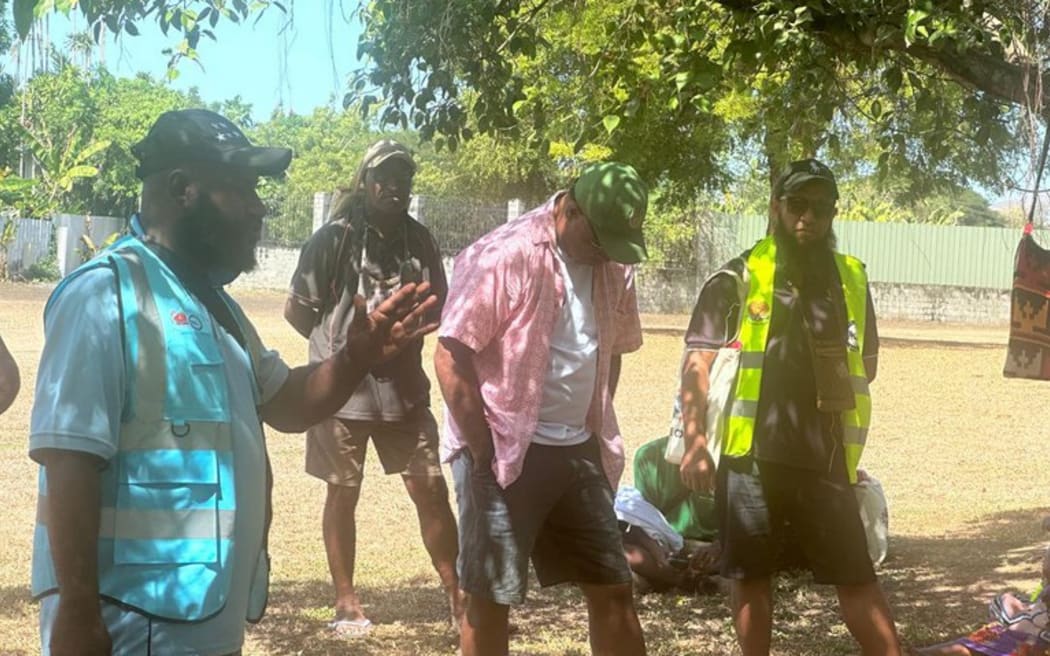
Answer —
(385, 150)
(614, 199)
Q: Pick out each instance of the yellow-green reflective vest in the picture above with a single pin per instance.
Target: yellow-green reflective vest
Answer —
(754, 335)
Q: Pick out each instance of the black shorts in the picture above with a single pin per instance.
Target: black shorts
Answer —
(764, 506)
(558, 513)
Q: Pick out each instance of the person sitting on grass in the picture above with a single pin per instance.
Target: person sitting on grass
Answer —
(690, 513)
(661, 560)
(1018, 628)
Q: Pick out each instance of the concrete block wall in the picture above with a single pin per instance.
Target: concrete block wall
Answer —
(674, 291)
(276, 265)
(941, 304)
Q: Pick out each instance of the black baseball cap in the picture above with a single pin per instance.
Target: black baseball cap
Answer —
(199, 135)
(802, 171)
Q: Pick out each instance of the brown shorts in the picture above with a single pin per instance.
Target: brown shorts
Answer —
(335, 448)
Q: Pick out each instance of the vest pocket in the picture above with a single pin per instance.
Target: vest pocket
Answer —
(196, 385)
(169, 509)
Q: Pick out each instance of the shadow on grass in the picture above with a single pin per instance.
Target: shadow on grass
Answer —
(938, 587)
(17, 609)
(408, 618)
(14, 599)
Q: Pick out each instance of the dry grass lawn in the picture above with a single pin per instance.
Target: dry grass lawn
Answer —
(961, 453)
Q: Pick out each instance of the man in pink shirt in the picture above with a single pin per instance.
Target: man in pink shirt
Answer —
(537, 317)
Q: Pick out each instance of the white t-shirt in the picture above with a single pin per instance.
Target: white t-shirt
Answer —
(569, 386)
(79, 397)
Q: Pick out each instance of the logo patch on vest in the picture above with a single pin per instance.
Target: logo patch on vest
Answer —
(758, 311)
(852, 341)
(182, 319)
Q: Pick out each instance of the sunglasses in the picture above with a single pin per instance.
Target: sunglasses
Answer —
(799, 205)
(386, 177)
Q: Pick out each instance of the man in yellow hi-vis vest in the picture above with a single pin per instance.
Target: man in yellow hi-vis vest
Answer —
(802, 317)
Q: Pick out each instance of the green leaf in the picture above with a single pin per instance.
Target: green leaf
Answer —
(611, 122)
(77, 173)
(91, 150)
(24, 12)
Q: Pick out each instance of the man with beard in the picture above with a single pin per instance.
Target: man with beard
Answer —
(151, 393)
(799, 414)
(371, 247)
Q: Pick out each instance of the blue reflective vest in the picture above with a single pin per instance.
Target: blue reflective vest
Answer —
(168, 495)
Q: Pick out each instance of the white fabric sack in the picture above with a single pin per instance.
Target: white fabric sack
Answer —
(722, 378)
(875, 515)
(632, 507)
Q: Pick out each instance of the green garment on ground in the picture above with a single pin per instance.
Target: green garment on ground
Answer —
(690, 513)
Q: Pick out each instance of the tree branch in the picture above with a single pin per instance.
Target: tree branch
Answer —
(1012, 82)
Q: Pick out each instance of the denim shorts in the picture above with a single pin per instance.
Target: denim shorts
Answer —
(558, 513)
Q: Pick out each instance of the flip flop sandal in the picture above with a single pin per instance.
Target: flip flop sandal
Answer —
(351, 628)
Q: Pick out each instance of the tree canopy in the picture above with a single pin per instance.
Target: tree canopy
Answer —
(929, 93)
(914, 102)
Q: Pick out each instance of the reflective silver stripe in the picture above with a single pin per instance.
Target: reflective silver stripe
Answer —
(752, 359)
(150, 366)
(860, 385)
(156, 524)
(742, 408)
(41, 510)
(150, 383)
(166, 524)
(854, 435)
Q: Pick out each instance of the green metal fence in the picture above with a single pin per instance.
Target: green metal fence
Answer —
(895, 253)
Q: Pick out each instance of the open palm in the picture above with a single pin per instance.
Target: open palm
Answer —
(377, 336)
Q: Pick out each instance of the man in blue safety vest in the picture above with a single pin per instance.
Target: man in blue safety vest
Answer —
(152, 388)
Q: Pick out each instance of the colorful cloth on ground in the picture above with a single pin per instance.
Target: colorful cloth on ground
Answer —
(1019, 629)
(997, 640)
(506, 291)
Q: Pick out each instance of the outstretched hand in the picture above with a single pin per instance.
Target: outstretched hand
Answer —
(375, 337)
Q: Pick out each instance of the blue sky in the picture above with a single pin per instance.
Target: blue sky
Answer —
(304, 67)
